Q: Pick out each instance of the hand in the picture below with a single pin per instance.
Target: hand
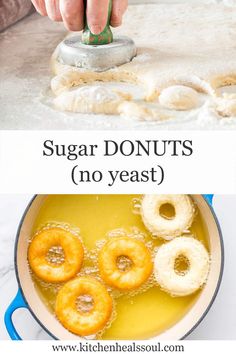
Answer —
(71, 12)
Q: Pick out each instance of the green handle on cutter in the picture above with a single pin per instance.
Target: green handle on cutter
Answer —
(105, 37)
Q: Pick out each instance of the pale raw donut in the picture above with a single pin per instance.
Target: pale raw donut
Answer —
(74, 319)
(196, 274)
(180, 98)
(164, 227)
(136, 252)
(41, 244)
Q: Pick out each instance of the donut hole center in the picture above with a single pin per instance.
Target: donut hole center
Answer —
(167, 211)
(124, 263)
(84, 303)
(55, 255)
(182, 264)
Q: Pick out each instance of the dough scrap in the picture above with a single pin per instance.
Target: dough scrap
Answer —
(226, 105)
(180, 98)
(178, 44)
(138, 110)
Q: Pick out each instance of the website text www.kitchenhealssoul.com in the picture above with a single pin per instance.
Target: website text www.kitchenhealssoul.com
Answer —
(85, 347)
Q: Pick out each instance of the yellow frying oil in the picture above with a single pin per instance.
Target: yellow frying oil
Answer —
(139, 315)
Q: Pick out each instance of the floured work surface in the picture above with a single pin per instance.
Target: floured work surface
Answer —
(26, 101)
(179, 46)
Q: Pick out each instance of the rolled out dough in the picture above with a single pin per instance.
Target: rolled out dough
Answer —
(178, 44)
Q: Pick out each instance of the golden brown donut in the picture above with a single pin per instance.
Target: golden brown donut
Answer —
(80, 322)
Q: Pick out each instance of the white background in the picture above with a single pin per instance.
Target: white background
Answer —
(210, 169)
(220, 323)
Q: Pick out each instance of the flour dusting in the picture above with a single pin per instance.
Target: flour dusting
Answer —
(98, 94)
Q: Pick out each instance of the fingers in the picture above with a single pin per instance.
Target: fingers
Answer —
(53, 10)
(97, 13)
(118, 9)
(72, 12)
(40, 7)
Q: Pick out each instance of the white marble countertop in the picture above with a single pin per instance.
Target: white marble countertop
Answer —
(220, 323)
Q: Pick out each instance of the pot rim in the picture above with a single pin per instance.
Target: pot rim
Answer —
(186, 334)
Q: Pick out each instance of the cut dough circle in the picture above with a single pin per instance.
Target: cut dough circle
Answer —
(88, 99)
(193, 278)
(179, 97)
(161, 226)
